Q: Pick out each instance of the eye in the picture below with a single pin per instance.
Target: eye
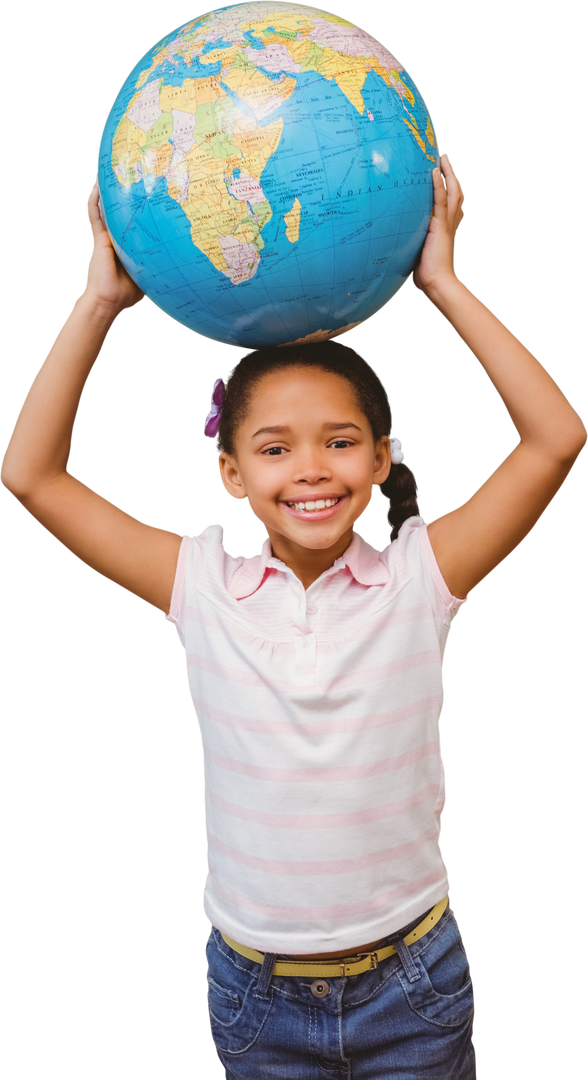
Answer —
(274, 451)
(338, 442)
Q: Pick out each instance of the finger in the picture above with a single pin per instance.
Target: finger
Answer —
(94, 195)
(454, 185)
(447, 167)
(452, 170)
(93, 213)
(440, 190)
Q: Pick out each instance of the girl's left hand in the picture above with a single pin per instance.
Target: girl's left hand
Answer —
(436, 262)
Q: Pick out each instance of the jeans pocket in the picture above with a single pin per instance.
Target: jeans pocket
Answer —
(236, 1014)
(443, 994)
(222, 1004)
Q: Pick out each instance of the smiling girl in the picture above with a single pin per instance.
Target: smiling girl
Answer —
(315, 670)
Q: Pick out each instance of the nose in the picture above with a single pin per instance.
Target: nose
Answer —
(312, 470)
(311, 478)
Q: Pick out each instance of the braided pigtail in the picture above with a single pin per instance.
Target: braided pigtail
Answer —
(403, 493)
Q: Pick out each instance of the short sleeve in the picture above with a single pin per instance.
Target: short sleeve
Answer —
(195, 553)
(413, 541)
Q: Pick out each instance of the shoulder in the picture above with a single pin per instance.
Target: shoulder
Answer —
(219, 573)
(413, 547)
(203, 561)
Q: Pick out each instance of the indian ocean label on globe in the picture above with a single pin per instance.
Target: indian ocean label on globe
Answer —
(265, 174)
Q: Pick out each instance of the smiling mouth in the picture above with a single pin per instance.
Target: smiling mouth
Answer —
(302, 503)
(316, 514)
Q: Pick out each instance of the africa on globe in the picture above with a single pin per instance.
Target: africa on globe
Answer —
(265, 174)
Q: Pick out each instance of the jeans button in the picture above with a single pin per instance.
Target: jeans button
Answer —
(320, 988)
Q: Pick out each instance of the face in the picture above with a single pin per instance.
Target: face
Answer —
(306, 459)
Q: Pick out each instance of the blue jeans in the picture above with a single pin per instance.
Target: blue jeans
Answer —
(408, 1019)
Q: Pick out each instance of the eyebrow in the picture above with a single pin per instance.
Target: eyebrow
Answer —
(280, 429)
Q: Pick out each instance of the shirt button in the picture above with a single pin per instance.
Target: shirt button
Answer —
(305, 643)
(312, 609)
(320, 988)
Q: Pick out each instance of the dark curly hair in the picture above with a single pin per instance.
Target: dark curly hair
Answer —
(400, 486)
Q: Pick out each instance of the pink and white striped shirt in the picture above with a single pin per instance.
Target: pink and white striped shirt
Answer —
(319, 715)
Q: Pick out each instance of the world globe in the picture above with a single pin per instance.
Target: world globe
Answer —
(265, 174)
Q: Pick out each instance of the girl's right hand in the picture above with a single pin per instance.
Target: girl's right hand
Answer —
(109, 285)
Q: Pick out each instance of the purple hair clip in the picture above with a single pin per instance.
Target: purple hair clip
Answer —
(216, 403)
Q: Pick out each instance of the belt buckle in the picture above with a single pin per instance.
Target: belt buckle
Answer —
(373, 957)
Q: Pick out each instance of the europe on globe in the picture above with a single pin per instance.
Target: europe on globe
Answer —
(265, 174)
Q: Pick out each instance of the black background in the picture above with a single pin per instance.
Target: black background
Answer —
(105, 828)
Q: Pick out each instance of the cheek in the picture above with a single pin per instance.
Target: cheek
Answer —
(359, 474)
(267, 480)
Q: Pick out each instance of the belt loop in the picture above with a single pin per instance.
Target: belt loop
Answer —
(267, 970)
(411, 971)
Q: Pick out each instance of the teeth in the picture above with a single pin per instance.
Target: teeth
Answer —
(317, 504)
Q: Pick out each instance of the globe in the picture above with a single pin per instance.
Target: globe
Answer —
(265, 174)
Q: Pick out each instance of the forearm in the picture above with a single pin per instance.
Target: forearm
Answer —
(538, 409)
(40, 445)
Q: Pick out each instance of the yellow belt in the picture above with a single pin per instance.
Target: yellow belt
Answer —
(348, 965)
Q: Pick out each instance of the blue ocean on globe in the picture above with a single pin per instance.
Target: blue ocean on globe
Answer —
(265, 174)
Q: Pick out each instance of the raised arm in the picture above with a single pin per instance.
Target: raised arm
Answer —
(478, 536)
(136, 556)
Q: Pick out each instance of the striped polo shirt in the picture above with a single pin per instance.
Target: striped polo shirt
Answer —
(319, 714)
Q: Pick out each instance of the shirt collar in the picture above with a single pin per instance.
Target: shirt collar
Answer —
(363, 561)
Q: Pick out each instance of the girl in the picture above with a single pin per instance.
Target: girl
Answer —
(315, 671)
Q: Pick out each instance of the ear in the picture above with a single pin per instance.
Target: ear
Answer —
(229, 477)
(382, 460)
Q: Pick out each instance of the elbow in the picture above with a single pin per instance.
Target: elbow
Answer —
(579, 447)
(566, 445)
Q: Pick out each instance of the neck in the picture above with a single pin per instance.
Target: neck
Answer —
(308, 563)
